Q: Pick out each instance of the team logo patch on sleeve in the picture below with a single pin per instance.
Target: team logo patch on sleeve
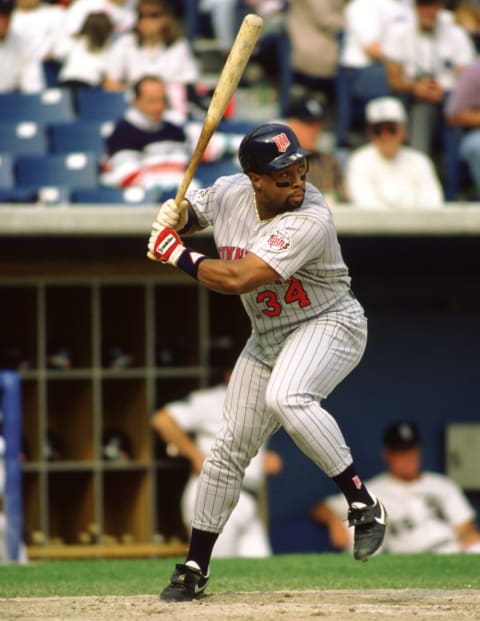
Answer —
(279, 240)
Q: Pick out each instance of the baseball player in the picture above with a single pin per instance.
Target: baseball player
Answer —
(428, 512)
(279, 251)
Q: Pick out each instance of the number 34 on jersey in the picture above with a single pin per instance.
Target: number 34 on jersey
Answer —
(273, 304)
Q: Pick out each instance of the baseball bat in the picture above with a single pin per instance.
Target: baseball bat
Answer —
(232, 71)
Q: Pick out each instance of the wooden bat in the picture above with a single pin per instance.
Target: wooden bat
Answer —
(242, 48)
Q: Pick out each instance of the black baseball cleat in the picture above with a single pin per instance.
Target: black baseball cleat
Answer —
(370, 522)
(186, 583)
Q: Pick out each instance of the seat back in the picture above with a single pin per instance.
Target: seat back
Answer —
(79, 135)
(72, 170)
(115, 196)
(22, 138)
(208, 172)
(94, 104)
(51, 105)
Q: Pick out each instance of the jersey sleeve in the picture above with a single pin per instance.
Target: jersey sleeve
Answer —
(456, 507)
(293, 242)
(186, 413)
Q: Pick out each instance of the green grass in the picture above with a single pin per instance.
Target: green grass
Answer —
(286, 572)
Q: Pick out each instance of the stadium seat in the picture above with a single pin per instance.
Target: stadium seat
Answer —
(72, 170)
(49, 195)
(7, 179)
(98, 105)
(79, 135)
(52, 105)
(115, 196)
(23, 138)
(208, 172)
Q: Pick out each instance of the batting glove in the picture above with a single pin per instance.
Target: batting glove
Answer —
(165, 245)
(173, 216)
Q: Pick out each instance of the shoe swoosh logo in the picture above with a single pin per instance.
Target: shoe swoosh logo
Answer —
(382, 519)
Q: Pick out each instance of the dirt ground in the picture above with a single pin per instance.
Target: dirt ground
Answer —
(405, 604)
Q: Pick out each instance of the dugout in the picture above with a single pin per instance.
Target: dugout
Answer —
(83, 272)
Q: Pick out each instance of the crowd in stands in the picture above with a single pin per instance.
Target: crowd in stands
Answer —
(327, 61)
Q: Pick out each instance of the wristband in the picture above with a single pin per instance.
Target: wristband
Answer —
(189, 261)
(185, 228)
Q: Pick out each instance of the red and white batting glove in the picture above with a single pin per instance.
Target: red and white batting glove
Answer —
(172, 215)
(165, 245)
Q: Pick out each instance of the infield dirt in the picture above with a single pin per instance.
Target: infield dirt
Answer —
(368, 605)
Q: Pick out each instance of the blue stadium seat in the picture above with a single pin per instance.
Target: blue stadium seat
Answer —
(95, 104)
(52, 105)
(23, 138)
(208, 172)
(72, 170)
(115, 196)
(79, 135)
(49, 195)
(7, 179)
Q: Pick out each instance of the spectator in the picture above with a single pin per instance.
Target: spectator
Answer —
(119, 11)
(85, 56)
(306, 118)
(424, 59)
(154, 47)
(201, 414)
(313, 28)
(147, 150)
(427, 511)
(39, 25)
(463, 111)
(361, 72)
(385, 172)
(19, 69)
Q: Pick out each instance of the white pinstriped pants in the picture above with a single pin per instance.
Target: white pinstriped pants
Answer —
(269, 390)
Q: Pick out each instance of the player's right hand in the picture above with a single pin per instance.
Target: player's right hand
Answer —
(173, 216)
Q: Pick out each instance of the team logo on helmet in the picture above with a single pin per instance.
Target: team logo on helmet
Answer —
(281, 141)
(279, 240)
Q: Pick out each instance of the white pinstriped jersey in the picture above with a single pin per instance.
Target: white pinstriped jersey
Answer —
(300, 245)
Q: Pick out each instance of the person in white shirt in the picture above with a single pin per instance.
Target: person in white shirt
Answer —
(385, 172)
(85, 56)
(19, 69)
(39, 25)
(155, 46)
(361, 72)
(427, 511)
(424, 59)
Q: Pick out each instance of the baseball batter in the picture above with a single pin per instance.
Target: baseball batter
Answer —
(279, 251)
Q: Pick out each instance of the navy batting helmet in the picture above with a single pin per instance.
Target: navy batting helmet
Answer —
(269, 148)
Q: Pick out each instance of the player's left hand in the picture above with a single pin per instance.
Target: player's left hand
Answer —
(164, 244)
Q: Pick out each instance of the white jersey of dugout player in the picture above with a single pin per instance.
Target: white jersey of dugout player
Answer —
(244, 534)
(303, 266)
(422, 514)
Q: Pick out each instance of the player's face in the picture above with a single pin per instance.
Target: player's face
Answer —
(404, 465)
(284, 190)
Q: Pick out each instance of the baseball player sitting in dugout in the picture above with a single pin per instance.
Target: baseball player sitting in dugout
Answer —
(279, 251)
(427, 511)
